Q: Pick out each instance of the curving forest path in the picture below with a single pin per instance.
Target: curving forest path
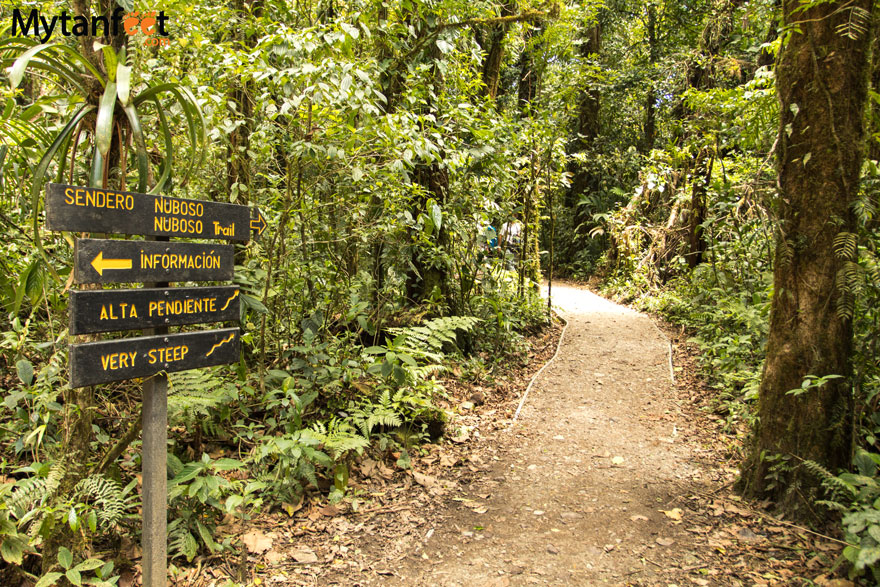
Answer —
(610, 475)
(586, 471)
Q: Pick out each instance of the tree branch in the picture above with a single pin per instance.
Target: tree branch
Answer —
(122, 444)
(527, 16)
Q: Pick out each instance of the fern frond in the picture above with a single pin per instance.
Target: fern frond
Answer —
(845, 245)
(838, 489)
(104, 495)
(192, 394)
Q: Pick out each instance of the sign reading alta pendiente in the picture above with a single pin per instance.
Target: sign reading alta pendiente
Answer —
(134, 309)
(82, 209)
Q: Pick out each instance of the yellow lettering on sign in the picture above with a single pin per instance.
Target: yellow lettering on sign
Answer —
(115, 361)
(187, 306)
(110, 312)
(167, 354)
(219, 229)
(92, 198)
(179, 261)
(177, 225)
(177, 207)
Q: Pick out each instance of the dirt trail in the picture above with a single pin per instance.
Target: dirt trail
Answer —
(611, 475)
(577, 489)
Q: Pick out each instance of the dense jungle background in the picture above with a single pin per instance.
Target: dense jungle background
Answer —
(423, 165)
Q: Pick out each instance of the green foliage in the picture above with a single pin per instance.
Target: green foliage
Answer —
(200, 494)
(857, 496)
(372, 147)
(74, 573)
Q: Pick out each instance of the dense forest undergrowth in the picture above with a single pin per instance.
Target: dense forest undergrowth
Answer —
(422, 164)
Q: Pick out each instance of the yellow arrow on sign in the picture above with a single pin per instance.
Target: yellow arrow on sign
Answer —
(259, 223)
(100, 263)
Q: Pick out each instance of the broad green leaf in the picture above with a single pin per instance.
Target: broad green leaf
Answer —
(123, 82)
(40, 173)
(12, 549)
(436, 214)
(74, 577)
(206, 537)
(72, 519)
(867, 557)
(89, 564)
(226, 464)
(25, 371)
(16, 74)
(48, 579)
(110, 59)
(65, 557)
(190, 547)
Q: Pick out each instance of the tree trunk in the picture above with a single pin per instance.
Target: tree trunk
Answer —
(822, 80)
(491, 39)
(585, 180)
(649, 131)
(527, 88)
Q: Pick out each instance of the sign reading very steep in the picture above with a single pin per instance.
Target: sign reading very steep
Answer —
(114, 360)
(130, 309)
(117, 261)
(82, 209)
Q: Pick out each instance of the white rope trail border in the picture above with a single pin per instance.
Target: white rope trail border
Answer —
(522, 400)
(669, 342)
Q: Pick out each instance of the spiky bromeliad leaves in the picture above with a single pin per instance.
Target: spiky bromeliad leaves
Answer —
(95, 96)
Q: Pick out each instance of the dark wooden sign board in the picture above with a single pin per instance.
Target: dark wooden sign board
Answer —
(82, 209)
(114, 360)
(117, 261)
(136, 309)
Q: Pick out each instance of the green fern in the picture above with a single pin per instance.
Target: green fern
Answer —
(181, 542)
(339, 437)
(194, 394)
(846, 245)
(33, 492)
(382, 413)
(105, 496)
(433, 334)
(838, 489)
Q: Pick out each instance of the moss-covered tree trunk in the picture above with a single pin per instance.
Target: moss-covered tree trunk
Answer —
(822, 81)
(491, 39)
(585, 179)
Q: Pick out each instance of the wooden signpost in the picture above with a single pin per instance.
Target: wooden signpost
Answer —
(81, 209)
(126, 358)
(152, 309)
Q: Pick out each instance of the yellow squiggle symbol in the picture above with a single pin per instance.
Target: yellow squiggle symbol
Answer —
(226, 305)
(221, 343)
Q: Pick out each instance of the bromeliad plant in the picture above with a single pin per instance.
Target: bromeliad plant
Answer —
(105, 108)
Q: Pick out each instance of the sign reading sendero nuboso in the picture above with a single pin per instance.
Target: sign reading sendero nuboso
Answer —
(82, 209)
